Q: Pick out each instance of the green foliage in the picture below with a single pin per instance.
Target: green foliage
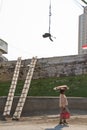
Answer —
(44, 87)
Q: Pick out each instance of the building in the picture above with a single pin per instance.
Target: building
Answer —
(82, 39)
(3, 50)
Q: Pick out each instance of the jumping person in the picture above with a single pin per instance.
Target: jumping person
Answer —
(48, 35)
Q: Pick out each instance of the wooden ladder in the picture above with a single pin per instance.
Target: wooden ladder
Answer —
(25, 90)
(10, 97)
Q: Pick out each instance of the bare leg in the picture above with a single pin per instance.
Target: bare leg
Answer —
(61, 120)
(65, 122)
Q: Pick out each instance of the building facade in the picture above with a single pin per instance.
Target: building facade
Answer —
(82, 39)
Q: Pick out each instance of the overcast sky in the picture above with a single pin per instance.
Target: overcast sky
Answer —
(23, 22)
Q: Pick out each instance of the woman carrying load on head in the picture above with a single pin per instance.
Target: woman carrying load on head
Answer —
(63, 104)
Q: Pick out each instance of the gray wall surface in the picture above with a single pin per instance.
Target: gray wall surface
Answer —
(44, 105)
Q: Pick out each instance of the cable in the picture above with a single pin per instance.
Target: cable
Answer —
(84, 1)
(79, 5)
(1, 4)
(50, 16)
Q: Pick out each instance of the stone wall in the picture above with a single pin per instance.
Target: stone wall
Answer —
(47, 67)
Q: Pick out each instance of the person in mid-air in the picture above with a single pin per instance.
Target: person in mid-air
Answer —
(47, 35)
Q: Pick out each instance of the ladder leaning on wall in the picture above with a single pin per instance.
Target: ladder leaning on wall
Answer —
(25, 90)
(10, 97)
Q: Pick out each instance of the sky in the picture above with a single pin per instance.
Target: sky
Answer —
(23, 22)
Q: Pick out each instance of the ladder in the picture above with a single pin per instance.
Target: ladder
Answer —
(10, 97)
(25, 90)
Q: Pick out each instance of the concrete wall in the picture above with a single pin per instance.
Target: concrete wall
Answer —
(47, 67)
(44, 105)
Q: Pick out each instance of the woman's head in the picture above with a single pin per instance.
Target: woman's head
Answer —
(62, 91)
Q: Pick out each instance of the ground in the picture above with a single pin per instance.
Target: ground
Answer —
(54, 119)
(77, 117)
(77, 121)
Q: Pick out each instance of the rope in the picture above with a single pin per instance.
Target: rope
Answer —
(1, 4)
(49, 16)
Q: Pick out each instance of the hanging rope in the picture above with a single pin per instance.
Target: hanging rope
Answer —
(49, 16)
(48, 35)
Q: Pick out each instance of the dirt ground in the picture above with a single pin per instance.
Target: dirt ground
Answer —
(81, 120)
(76, 120)
(77, 117)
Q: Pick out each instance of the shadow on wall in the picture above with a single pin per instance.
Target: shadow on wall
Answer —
(58, 127)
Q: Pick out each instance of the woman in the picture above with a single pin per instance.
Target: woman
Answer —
(63, 103)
